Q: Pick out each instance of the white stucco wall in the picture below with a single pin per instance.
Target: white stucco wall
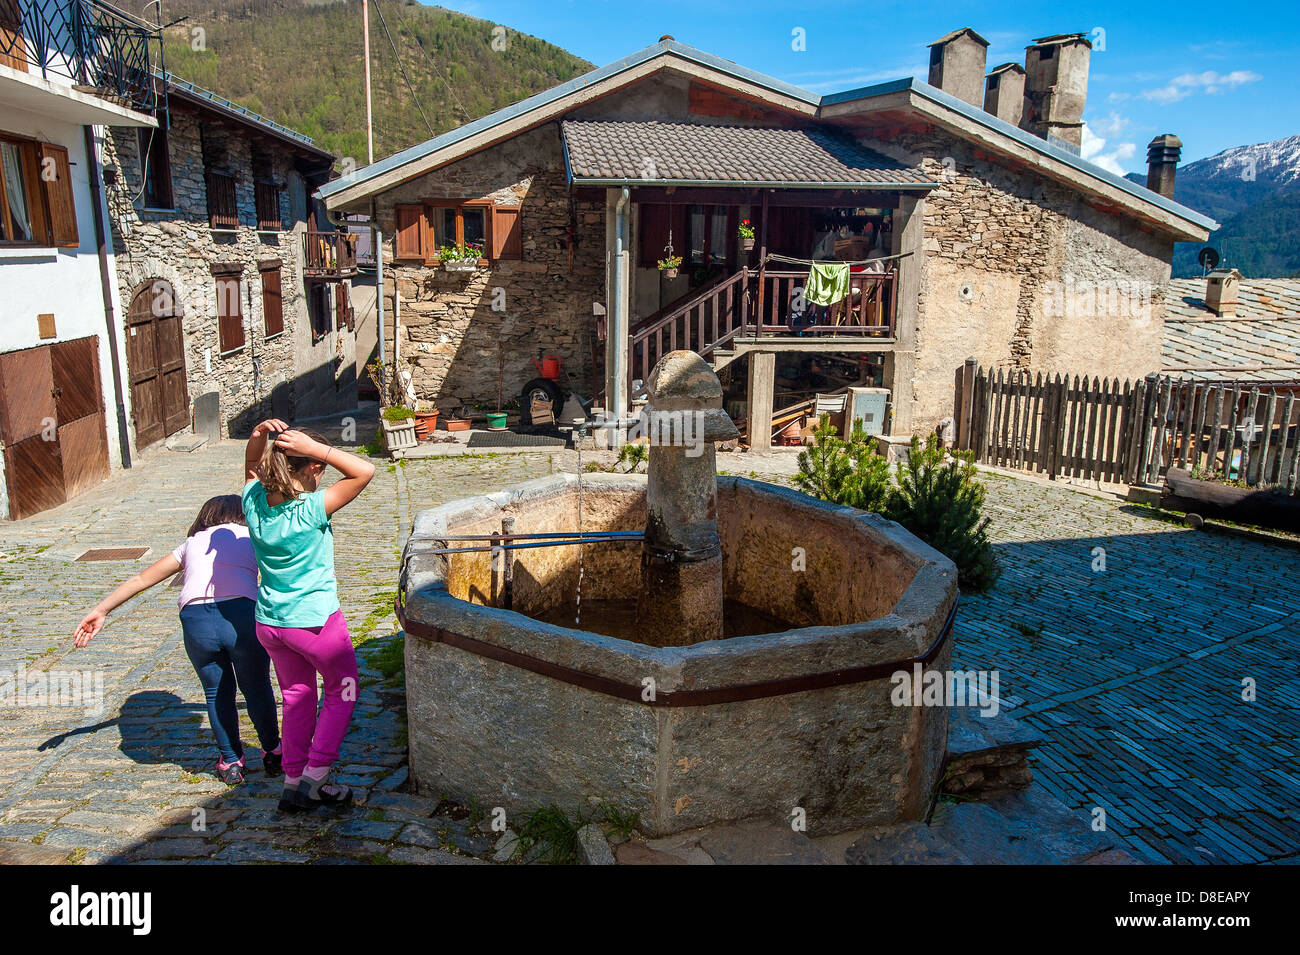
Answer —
(64, 282)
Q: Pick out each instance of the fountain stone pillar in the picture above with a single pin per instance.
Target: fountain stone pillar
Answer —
(681, 559)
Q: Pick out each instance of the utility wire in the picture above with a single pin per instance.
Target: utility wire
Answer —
(446, 80)
(402, 67)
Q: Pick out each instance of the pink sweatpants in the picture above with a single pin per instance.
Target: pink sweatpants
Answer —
(298, 655)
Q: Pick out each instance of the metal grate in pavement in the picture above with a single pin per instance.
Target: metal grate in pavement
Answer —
(114, 553)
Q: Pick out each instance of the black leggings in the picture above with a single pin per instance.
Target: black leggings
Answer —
(221, 640)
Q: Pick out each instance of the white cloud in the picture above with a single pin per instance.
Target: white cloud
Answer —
(1210, 81)
(1110, 126)
(1094, 150)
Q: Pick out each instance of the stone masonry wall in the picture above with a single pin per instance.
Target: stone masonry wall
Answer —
(453, 337)
(179, 247)
(1011, 264)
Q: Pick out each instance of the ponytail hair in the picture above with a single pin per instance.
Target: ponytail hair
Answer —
(225, 509)
(279, 470)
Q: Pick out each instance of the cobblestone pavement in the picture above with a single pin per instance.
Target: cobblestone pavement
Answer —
(1133, 672)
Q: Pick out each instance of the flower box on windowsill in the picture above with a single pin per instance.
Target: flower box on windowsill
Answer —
(461, 265)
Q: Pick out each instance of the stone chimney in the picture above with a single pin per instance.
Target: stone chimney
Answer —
(1004, 93)
(957, 64)
(1056, 88)
(1221, 292)
(1163, 154)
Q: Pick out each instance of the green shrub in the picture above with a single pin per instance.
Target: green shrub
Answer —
(846, 472)
(941, 503)
(398, 413)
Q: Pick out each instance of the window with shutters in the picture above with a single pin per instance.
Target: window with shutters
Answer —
(272, 298)
(318, 310)
(230, 313)
(155, 166)
(22, 214)
(424, 229)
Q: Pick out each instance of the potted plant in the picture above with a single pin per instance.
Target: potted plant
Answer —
(746, 232)
(426, 420)
(463, 257)
(399, 430)
(461, 421)
(669, 266)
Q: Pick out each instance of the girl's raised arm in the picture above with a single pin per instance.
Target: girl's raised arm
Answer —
(257, 444)
(93, 622)
(356, 471)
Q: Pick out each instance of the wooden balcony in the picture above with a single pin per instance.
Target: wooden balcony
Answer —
(329, 256)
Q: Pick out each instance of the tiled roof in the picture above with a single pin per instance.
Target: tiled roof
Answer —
(1261, 344)
(652, 151)
(1186, 298)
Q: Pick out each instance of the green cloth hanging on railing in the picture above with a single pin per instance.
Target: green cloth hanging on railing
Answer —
(828, 283)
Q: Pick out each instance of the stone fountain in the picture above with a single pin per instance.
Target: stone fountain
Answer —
(733, 662)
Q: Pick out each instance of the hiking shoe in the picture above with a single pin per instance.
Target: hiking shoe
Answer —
(232, 774)
(273, 763)
(311, 794)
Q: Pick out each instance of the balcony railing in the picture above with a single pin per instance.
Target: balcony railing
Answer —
(89, 42)
(329, 255)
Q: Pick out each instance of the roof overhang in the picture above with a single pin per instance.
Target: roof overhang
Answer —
(351, 191)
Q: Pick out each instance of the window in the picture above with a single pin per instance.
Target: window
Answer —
(267, 197)
(423, 229)
(36, 198)
(223, 211)
(155, 166)
(318, 310)
(272, 297)
(706, 235)
(230, 314)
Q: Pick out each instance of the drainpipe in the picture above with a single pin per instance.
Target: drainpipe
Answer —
(106, 289)
(377, 240)
(618, 319)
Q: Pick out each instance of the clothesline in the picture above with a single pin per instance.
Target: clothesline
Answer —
(775, 257)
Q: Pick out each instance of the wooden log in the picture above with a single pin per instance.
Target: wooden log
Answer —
(1285, 440)
(1162, 430)
(1231, 432)
(1034, 430)
(1216, 431)
(1203, 407)
(1211, 499)
(1249, 425)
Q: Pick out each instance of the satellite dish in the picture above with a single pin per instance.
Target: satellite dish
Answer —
(1208, 258)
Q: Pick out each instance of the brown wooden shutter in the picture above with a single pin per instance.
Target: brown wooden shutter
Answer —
(56, 178)
(507, 233)
(272, 301)
(230, 315)
(410, 222)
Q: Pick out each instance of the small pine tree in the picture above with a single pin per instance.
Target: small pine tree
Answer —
(845, 472)
(941, 503)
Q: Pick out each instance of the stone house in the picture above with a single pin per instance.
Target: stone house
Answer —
(62, 403)
(233, 283)
(970, 224)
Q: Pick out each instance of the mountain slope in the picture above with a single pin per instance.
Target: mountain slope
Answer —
(1254, 192)
(299, 62)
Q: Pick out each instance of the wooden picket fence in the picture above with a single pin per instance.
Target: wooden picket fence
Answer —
(1129, 432)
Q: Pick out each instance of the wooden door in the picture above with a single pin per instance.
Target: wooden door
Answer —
(29, 426)
(79, 398)
(155, 358)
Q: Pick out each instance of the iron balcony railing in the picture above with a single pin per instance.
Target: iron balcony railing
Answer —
(89, 42)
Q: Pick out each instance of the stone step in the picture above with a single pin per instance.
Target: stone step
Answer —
(1023, 828)
(987, 754)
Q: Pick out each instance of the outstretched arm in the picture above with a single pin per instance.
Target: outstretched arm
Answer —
(356, 471)
(257, 445)
(93, 622)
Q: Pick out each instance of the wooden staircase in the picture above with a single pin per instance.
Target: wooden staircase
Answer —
(724, 320)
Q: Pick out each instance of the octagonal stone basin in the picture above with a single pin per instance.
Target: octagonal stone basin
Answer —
(510, 711)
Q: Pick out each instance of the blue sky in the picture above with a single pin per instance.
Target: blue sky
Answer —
(1216, 74)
